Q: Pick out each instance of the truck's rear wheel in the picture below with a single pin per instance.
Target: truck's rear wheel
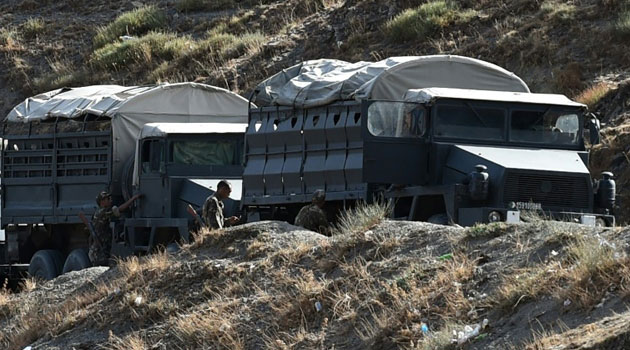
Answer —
(46, 264)
(77, 260)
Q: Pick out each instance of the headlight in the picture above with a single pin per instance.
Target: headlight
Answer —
(494, 216)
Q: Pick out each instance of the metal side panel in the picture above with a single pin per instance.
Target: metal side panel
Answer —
(353, 168)
(255, 155)
(336, 142)
(315, 149)
(275, 155)
(294, 148)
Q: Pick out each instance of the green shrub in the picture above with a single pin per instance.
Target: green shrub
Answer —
(559, 11)
(151, 48)
(622, 26)
(422, 21)
(32, 27)
(137, 22)
(226, 46)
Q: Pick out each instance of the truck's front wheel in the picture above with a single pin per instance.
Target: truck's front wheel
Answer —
(78, 259)
(46, 264)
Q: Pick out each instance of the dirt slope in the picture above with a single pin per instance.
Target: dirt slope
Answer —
(272, 285)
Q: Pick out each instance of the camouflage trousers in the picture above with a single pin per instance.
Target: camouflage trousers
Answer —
(98, 257)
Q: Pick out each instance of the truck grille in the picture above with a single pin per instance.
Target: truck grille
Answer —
(548, 190)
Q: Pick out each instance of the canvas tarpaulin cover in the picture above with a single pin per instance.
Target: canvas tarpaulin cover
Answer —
(130, 108)
(320, 82)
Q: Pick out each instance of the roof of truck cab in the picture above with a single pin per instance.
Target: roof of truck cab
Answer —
(165, 129)
(432, 94)
(320, 82)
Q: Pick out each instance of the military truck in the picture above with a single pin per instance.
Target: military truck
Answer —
(442, 138)
(170, 142)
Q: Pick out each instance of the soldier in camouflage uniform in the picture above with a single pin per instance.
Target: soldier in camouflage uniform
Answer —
(101, 245)
(212, 211)
(312, 216)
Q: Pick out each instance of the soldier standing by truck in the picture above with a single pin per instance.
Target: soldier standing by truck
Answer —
(312, 216)
(212, 210)
(101, 244)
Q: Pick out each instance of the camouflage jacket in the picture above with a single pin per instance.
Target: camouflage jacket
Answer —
(101, 246)
(212, 213)
(313, 218)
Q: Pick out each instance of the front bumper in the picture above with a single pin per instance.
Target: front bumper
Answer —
(472, 216)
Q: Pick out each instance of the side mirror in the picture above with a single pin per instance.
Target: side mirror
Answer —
(593, 128)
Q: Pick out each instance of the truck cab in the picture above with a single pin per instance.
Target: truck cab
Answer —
(527, 149)
(178, 164)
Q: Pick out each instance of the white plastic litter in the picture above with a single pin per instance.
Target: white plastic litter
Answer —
(567, 302)
(469, 332)
(138, 300)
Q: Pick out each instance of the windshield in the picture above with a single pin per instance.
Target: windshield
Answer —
(206, 152)
(469, 120)
(396, 119)
(552, 125)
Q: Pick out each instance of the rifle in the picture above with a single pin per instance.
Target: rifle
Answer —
(196, 216)
(90, 227)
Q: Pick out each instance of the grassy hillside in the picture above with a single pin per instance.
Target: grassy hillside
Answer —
(562, 46)
(374, 285)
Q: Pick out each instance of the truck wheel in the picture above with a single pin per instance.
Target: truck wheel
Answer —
(77, 260)
(439, 219)
(46, 264)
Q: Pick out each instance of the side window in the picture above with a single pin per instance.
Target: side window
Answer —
(396, 119)
(152, 157)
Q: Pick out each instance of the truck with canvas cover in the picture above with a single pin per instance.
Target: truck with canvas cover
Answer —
(170, 142)
(441, 138)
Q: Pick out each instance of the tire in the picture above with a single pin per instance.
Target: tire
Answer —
(77, 260)
(439, 219)
(46, 264)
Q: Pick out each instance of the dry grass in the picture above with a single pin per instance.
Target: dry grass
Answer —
(558, 11)
(9, 39)
(596, 267)
(591, 95)
(423, 21)
(33, 27)
(523, 286)
(137, 22)
(129, 342)
(211, 327)
(592, 266)
(361, 218)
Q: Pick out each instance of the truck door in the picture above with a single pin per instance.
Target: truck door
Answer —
(152, 176)
(395, 147)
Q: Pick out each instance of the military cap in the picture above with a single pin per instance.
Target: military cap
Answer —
(319, 196)
(101, 196)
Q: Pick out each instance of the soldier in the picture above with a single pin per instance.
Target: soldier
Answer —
(101, 245)
(311, 216)
(212, 211)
